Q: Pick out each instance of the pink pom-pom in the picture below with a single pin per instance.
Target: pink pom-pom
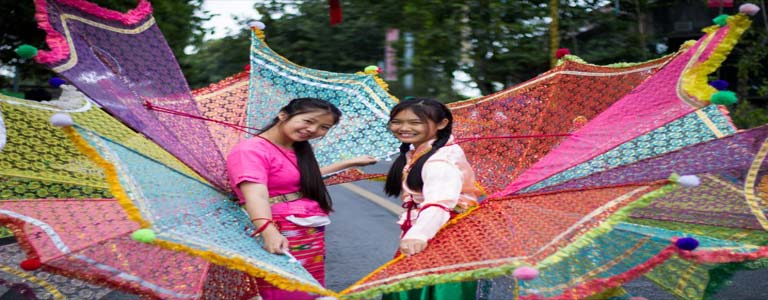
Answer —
(638, 298)
(562, 52)
(749, 9)
(525, 273)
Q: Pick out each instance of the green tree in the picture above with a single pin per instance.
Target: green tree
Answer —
(497, 43)
(303, 37)
(17, 27)
(751, 64)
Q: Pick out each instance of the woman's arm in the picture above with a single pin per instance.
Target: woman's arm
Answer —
(259, 211)
(441, 190)
(352, 162)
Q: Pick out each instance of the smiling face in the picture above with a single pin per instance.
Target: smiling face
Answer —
(306, 126)
(410, 128)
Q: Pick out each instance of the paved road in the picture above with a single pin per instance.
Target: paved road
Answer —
(362, 237)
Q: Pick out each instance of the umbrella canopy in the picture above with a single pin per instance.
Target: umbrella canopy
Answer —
(569, 203)
(173, 181)
(563, 207)
(61, 205)
(505, 133)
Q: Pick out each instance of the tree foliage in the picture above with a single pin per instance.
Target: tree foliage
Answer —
(496, 43)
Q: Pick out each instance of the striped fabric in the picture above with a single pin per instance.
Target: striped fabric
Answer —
(307, 244)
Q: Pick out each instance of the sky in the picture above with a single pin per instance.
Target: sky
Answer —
(225, 9)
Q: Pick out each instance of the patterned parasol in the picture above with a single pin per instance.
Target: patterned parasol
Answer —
(169, 178)
(589, 202)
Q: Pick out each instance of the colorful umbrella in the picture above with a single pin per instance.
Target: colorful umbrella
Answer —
(122, 62)
(60, 203)
(561, 205)
(561, 202)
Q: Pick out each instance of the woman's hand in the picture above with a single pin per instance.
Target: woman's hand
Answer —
(274, 241)
(363, 160)
(359, 161)
(411, 247)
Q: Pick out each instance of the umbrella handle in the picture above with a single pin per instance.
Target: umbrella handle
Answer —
(291, 257)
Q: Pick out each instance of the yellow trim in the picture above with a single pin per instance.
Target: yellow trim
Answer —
(73, 54)
(110, 173)
(259, 33)
(685, 277)
(34, 279)
(480, 188)
(749, 186)
(685, 78)
(711, 125)
(383, 84)
(666, 58)
(694, 81)
(235, 263)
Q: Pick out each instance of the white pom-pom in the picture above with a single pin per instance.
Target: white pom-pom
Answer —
(61, 120)
(749, 9)
(532, 291)
(257, 24)
(689, 180)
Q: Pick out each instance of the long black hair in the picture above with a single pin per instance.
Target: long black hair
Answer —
(424, 108)
(312, 185)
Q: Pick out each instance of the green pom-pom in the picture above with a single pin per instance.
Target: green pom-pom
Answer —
(26, 51)
(720, 20)
(372, 68)
(674, 177)
(724, 98)
(143, 235)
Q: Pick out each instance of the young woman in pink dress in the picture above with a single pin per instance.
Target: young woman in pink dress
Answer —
(279, 183)
(433, 179)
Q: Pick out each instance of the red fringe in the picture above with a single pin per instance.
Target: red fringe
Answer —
(723, 256)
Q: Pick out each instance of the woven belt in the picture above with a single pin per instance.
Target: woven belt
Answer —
(285, 197)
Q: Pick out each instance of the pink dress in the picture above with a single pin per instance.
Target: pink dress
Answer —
(259, 161)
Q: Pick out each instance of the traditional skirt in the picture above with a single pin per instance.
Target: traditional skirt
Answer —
(307, 244)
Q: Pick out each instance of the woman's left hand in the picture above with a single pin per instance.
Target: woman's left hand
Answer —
(363, 160)
(411, 247)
